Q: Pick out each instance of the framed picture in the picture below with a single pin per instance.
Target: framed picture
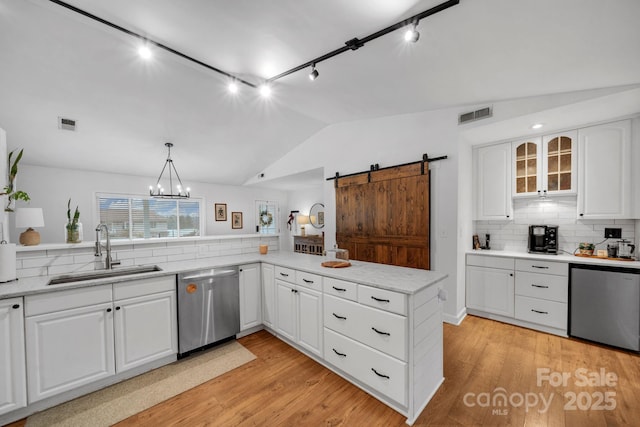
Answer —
(221, 211)
(236, 219)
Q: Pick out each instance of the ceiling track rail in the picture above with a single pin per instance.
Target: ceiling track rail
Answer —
(152, 42)
(376, 167)
(353, 44)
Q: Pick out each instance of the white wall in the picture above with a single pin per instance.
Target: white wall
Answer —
(50, 188)
(300, 200)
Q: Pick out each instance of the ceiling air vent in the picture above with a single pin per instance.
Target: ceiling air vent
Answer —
(66, 124)
(482, 113)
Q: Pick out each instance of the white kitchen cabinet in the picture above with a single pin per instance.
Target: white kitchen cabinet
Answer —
(268, 295)
(492, 172)
(286, 303)
(69, 340)
(79, 336)
(13, 377)
(145, 322)
(604, 171)
(250, 296)
(490, 284)
(545, 165)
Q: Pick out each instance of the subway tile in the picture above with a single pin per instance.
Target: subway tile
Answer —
(150, 260)
(168, 251)
(48, 261)
(31, 272)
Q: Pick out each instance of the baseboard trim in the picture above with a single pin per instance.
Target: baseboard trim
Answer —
(457, 319)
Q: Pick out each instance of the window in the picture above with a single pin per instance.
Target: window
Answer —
(138, 217)
(267, 217)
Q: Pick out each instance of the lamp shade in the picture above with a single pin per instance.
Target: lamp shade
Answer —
(302, 219)
(29, 217)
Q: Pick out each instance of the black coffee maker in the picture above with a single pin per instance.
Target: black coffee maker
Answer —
(543, 239)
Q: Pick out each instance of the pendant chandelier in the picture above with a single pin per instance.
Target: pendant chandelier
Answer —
(159, 191)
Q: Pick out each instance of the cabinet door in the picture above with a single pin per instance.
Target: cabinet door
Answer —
(559, 163)
(268, 295)
(527, 163)
(490, 290)
(493, 182)
(286, 309)
(145, 329)
(250, 296)
(604, 171)
(13, 377)
(310, 320)
(68, 349)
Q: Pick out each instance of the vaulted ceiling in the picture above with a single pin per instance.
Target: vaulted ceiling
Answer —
(54, 62)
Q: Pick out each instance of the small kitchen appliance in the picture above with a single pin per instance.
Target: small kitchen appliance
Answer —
(625, 249)
(543, 239)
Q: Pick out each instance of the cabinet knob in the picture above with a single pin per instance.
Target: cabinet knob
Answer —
(108, 310)
(581, 214)
(511, 274)
(15, 306)
(507, 216)
(118, 308)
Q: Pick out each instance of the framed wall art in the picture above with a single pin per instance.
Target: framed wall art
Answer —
(221, 211)
(236, 220)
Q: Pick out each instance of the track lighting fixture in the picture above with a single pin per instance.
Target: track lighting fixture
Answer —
(159, 190)
(144, 52)
(314, 73)
(233, 86)
(412, 35)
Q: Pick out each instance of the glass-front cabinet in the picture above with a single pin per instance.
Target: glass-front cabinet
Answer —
(545, 165)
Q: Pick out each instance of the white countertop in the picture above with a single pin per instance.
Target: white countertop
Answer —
(399, 279)
(559, 258)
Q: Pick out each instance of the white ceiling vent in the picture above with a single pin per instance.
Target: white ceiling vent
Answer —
(67, 124)
(483, 113)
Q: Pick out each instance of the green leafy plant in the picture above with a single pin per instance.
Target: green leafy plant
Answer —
(9, 189)
(72, 223)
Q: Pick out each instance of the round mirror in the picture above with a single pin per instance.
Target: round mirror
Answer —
(316, 215)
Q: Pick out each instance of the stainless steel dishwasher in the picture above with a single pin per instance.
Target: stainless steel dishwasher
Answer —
(605, 305)
(208, 307)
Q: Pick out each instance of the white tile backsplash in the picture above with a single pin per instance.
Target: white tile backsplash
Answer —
(560, 211)
(69, 259)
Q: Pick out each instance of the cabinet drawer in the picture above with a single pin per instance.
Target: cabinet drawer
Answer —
(309, 280)
(543, 312)
(377, 370)
(286, 274)
(542, 266)
(64, 300)
(340, 288)
(490, 261)
(138, 288)
(383, 331)
(383, 299)
(545, 286)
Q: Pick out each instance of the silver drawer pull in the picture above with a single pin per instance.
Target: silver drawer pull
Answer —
(380, 375)
(540, 312)
(381, 332)
(339, 317)
(338, 353)
(307, 281)
(540, 286)
(380, 299)
(284, 274)
(339, 289)
(540, 266)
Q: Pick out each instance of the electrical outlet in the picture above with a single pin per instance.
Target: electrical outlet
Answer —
(613, 233)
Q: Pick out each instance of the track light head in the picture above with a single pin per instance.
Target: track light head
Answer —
(144, 52)
(233, 87)
(265, 90)
(314, 73)
(412, 35)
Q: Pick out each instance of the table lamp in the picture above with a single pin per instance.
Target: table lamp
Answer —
(302, 221)
(29, 217)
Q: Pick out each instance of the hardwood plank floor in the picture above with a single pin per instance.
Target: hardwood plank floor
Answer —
(483, 360)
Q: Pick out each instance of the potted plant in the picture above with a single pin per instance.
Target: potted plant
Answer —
(9, 190)
(586, 248)
(74, 228)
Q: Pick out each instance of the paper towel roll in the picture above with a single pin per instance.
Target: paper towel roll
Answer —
(7, 262)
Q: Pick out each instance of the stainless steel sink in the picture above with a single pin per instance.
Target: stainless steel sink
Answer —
(102, 274)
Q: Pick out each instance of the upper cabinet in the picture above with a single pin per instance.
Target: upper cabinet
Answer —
(492, 169)
(604, 171)
(545, 165)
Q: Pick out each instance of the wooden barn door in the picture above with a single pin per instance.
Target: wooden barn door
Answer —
(383, 216)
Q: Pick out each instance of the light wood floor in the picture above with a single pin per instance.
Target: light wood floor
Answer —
(284, 387)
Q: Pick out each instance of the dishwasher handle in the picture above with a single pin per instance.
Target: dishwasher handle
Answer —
(209, 275)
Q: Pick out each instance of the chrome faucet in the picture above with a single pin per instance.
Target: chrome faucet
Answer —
(108, 262)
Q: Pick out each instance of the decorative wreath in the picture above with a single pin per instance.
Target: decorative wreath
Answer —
(266, 218)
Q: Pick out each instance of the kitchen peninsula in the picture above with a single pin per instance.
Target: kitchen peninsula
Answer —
(393, 351)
